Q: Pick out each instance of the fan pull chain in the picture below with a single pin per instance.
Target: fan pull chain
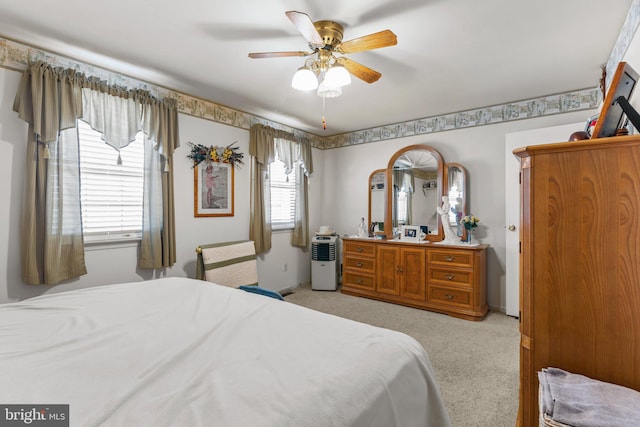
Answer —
(324, 122)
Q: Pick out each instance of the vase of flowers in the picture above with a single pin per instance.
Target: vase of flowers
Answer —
(470, 222)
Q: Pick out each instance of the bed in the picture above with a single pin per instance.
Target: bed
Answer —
(183, 352)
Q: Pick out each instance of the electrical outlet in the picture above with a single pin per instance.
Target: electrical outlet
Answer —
(285, 267)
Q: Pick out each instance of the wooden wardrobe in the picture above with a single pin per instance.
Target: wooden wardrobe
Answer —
(579, 263)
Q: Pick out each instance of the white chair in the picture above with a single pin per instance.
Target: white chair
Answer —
(231, 264)
(228, 263)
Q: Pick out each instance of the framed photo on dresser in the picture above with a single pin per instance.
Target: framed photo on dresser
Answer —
(410, 233)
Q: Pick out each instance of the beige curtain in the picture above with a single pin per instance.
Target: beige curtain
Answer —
(51, 100)
(300, 237)
(262, 151)
(263, 143)
(160, 125)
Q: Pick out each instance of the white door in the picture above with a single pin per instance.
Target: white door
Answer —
(512, 201)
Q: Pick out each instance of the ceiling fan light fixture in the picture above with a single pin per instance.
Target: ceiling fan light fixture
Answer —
(323, 70)
(304, 79)
(326, 91)
(337, 76)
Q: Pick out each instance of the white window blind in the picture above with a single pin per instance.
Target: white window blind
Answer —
(283, 196)
(111, 194)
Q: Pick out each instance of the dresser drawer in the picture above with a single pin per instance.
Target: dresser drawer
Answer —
(366, 264)
(356, 280)
(366, 249)
(449, 296)
(450, 276)
(450, 257)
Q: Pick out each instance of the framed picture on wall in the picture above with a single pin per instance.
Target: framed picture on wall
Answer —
(213, 189)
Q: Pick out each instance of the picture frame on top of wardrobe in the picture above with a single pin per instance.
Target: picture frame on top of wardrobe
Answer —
(616, 102)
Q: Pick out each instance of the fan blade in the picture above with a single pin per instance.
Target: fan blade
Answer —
(278, 54)
(372, 41)
(359, 70)
(304, 24)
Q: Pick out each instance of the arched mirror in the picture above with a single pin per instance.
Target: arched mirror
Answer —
(416, 177)
(457, 192)
(377, 200)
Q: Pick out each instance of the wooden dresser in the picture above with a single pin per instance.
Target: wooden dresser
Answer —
(579, 263)
(442, 278)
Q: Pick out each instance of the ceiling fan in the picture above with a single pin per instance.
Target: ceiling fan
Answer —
(325, 70)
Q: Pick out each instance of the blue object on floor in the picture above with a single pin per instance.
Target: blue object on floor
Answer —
(262, 291)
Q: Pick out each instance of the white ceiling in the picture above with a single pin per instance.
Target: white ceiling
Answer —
(452, 55)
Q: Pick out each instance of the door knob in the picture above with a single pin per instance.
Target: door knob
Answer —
(512, 227)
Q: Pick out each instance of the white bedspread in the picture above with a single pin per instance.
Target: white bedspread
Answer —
(181, 352)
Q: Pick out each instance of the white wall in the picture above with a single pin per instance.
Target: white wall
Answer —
(338, 197)
(117, 263)
(480, 150)
(11, 166)
(632, 57)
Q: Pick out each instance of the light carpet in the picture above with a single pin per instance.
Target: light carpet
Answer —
(476, 363)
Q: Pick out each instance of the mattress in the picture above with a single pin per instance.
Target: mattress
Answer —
(183, 352)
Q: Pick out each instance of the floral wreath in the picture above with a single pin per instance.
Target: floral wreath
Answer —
(228, 154)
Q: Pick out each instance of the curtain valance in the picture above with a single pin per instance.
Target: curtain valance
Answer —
(263, 146)
(51, 99)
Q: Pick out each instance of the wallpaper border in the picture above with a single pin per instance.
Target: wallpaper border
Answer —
(579, 100)
(15, 55)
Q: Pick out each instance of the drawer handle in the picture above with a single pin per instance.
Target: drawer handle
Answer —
(449, 258)
(450, 276)
(399, 269)
(449, 296)
(359, 249)
(359, 264)
(359, 281)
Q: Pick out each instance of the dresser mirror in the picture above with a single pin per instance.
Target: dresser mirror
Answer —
(416, 174)
(377, 199)
(456, 177)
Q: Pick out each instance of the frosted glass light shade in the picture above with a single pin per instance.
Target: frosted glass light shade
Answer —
(304, 79)
(327, 91)
(337, 76)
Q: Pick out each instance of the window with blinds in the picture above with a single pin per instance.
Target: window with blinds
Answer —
(283, 196)
(111, 194)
